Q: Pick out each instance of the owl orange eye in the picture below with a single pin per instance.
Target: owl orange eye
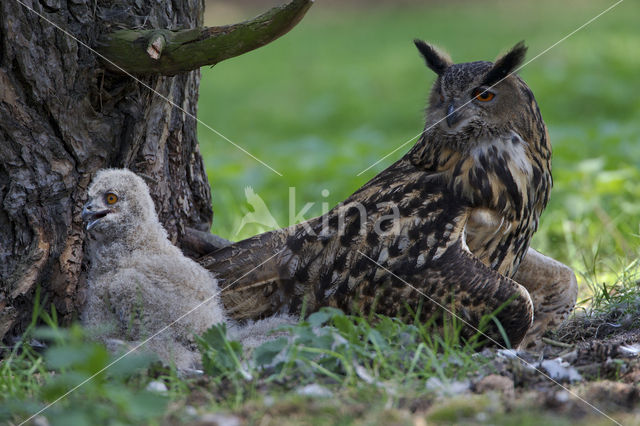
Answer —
(111, 198)
(483, 95)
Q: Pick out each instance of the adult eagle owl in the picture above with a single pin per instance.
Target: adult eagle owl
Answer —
(451, 220)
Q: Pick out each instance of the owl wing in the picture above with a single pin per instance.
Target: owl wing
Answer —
(249, 272)
(257, 280)
(461, 283)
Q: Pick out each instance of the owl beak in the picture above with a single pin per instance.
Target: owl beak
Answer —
(92, 216)
(452, 116)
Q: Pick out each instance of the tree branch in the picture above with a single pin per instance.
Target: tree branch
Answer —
(171, 52)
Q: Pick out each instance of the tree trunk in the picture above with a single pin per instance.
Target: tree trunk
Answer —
(63, 116)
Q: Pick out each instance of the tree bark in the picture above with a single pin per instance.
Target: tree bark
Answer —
(63, 116)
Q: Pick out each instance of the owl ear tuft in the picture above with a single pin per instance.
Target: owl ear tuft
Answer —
(436, 60)
(505, 64)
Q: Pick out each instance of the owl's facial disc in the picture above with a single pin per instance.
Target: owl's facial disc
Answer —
(98, 208)
(459, 112)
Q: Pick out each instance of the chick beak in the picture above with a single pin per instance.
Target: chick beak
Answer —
(92, 216)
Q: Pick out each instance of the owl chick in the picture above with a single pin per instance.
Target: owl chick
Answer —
(448, 224)
(138, 281)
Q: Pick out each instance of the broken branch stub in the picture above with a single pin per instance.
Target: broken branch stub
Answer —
(157, 43)
(166, 52)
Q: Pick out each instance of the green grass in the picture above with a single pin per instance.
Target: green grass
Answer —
(31, 381)
(346, 87)
(347, 355)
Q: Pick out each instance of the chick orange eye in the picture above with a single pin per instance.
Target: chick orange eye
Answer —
(111, 198)
(483, 95)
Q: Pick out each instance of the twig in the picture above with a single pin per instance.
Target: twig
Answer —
(556, 343)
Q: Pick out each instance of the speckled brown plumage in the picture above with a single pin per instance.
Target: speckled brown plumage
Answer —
(452, 218)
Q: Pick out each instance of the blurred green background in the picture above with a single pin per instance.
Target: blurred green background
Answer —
(347, 86)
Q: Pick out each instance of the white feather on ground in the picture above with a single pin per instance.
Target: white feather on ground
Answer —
(253, 334)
